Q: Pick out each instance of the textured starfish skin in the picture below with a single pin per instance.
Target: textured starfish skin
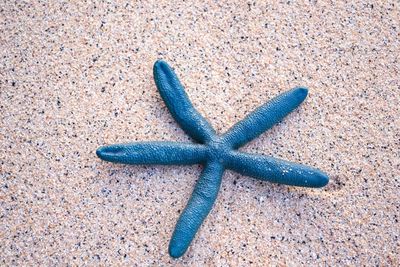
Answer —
(215, 152)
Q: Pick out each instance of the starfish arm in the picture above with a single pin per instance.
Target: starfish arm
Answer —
(179, 105)
(264, 117)
(275, 170)
(197, 209)
(167, 153)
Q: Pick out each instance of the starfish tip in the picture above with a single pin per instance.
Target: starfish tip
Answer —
(175, 252)
(321, 179)
(301, 92)
(160, 64)
(109, 152)
(100, 152)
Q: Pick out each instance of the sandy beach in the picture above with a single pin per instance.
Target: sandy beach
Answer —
(76, 76)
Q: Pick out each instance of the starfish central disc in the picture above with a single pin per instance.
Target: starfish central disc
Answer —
(218, 151)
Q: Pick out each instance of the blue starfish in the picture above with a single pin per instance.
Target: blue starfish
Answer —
(215, 152)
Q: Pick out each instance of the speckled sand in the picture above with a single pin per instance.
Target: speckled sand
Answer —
(77, 76)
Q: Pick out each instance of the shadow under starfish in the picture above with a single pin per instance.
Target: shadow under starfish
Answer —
(215, 152)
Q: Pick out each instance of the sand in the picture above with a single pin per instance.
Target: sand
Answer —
(74, 77)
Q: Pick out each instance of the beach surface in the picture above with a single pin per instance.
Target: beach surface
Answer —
(76, 76)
